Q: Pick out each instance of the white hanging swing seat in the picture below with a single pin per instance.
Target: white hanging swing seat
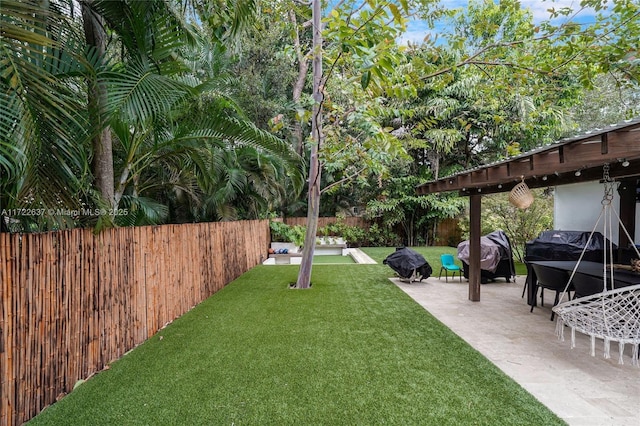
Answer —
(611, 315)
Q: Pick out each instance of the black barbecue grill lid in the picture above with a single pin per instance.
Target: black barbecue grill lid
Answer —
(405, 261)
(566, 245)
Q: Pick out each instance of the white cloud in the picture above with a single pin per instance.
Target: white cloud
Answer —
(417, 30)
(416, 33)
(539, 8)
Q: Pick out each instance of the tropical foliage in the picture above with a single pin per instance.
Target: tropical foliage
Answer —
(172, 111)
(141, 129)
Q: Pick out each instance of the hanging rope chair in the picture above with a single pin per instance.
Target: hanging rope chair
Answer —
(612, 315)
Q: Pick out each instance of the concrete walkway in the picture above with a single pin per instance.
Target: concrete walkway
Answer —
(581, 389)
(359, 256)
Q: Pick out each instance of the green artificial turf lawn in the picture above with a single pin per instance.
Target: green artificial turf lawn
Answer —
(332, 258)
(352, 350)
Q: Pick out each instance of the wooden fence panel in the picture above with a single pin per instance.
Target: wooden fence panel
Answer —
(448, 233)
(71, 302)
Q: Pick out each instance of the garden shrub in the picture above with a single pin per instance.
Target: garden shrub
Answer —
(280, 231)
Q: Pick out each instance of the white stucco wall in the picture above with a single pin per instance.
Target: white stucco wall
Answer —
(578, 206)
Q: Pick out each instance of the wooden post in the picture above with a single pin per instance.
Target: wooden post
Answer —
(475, 207)
(627, 191)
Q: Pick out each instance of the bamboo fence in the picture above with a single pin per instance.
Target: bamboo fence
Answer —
(71, 301)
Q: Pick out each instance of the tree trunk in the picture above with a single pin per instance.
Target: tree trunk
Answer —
(298, 87)
(122, 184)
(434, 158)
(102, 163)
(313, 211)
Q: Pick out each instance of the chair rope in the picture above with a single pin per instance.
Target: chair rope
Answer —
(611, 315)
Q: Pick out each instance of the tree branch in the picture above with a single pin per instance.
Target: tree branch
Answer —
(471, 59)
(341, 181)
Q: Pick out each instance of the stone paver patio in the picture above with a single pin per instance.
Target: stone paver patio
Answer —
(581, 389)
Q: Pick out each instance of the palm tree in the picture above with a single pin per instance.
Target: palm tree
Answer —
(249, 184)
(187, 146)
(201, 168)
(55, 80)
(135, 85)
(44, 127)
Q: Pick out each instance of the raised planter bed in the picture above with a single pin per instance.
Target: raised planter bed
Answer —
(335, 249)
(291, 247)
(295, 258)
(286, 258)
(294, 254)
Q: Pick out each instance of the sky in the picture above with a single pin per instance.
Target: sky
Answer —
(417, 30)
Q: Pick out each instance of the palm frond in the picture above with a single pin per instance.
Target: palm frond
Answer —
(239, 132)
(147, 29)
(43, 123)
(141, 211)
(139, 93)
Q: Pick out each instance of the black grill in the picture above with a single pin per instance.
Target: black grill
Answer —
(494, 244)
(567, 245)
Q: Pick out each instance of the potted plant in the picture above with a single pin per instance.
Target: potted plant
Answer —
(324, 232)
(297, 235)
(285, 236)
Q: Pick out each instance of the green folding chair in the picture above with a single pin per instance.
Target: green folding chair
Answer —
(448, 264)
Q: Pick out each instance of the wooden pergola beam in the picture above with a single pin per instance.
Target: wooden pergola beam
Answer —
(586, 154)
(572, 160)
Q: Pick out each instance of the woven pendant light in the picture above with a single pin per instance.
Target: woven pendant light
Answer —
(521, 196)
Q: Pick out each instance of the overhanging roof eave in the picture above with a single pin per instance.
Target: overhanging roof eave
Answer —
(554, 164)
